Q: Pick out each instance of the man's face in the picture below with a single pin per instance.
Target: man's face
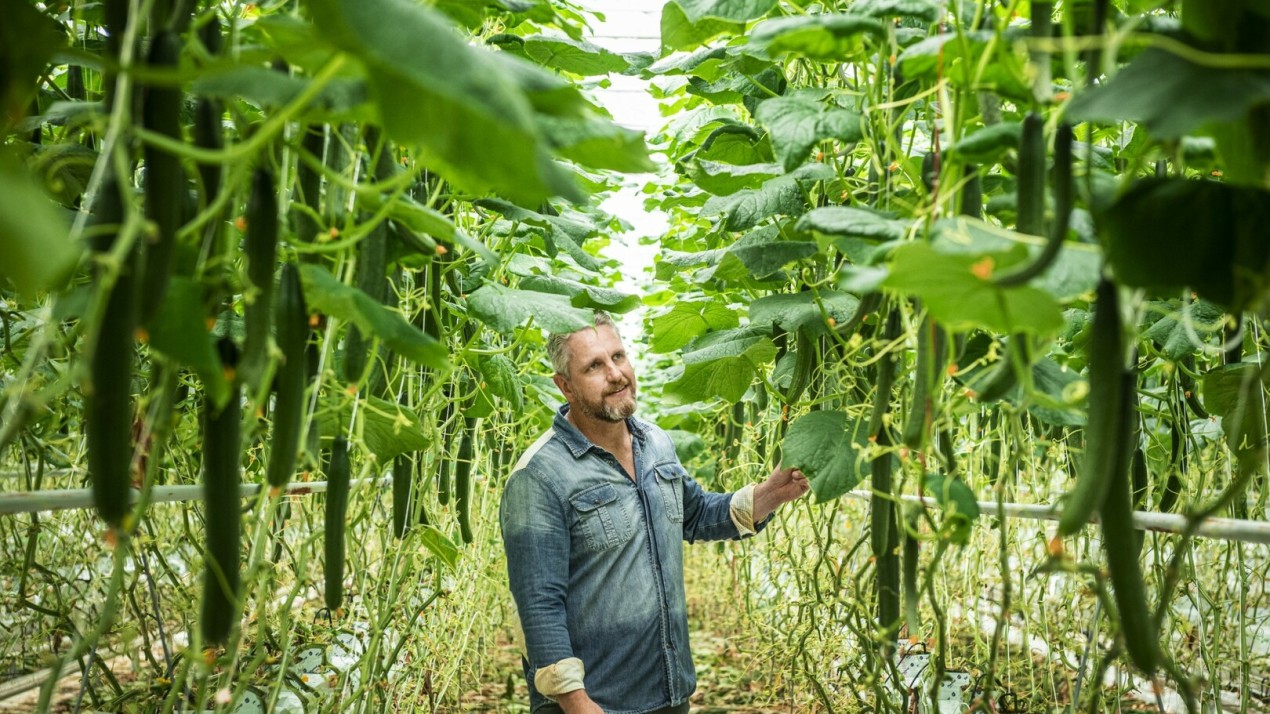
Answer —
(601, 381)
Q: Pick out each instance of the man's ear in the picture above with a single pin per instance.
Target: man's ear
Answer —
(562, 383)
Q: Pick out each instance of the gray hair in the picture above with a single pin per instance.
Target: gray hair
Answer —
(558, 343)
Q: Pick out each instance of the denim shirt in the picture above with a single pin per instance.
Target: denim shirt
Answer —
(595, 563)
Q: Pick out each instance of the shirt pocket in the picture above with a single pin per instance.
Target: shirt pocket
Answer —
(603, 519)
(670, 483)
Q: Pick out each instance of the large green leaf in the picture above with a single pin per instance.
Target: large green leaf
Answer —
(766, 250)
(1165, 235)
(1073, 273)
(739, 84)
(732, 10)
(723, 179)
(958, 504)
(28, 40)
(679, 32)
(830, 38)
(798, 122)
(795, 311)
(1235, 393)
(597, 143)
(324, 293)
(268, 88)
(387, 428)
(721, 364)
(502, 380)
(582, 295)
(179, 331)
(825, 445)
(852, 222)
(988, 144)
(1182, 329)
(957, 291)
(1172, 96)
(36, 251)
(450, 99)
(689, 319)
(503, 309)
(422, 219)
(925, 10)
(958, 58)
(574, 56)
(782, 195)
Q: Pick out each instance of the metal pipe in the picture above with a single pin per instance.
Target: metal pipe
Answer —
(1218, 528)
(59, 499)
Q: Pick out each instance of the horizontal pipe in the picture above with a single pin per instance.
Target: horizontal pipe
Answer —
(1218, 528)
(59, 499)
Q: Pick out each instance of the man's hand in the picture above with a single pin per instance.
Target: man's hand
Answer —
(578, 702)
(783, 486)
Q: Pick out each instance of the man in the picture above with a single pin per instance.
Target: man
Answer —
(594, 518)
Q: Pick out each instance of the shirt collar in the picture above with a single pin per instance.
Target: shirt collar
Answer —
(578, 443)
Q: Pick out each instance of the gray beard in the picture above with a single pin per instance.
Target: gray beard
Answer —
(611, 412)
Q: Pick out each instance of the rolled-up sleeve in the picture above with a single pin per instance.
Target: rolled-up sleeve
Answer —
(536, 541)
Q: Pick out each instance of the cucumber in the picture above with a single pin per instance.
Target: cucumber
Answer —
(444, 464)
(309, 183)
(260, 244)
(337, 486)
(222, 508)
(1031, 178)
(463, 478)
(165, 179)
(1141, 639)
(108, 409)
(883, 527)
(1106, 362)
(1063, 203)
(804, 364)
(972, 193)
(372, 279)
(291, 378)
(928, 380)
(403, 494)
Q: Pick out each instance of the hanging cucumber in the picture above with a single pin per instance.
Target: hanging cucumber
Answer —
(222, 447)
(290, 379)
(260, 244)
(804, 363)
(404, 495)
(884, 529)
(444, 428)
(1141, 638)
(928, 380)
(1063, 203)
(309, 183)
(372, 279)
(1030, 188)
(108, 394)
(1004, 376)
(1106, 362)
(165, 179)
(972, 193)
(337, 485)
(911, 548)
(463, 478)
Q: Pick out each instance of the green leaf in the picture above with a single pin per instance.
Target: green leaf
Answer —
(732, 10)
(1171, 96)
(439, 545)
(951, 288)
(735, 144)
(562, 233)
(36, 251)
(795, 311)
(1181, 329)
(688, 320)
(1235, 393)
(851, 222)
(782, 195)
(988, 144)
(798, 122)
(597, 143)
(422, 219)
(324, 293)
(829, 37)
(503, 309)
(502, 380)
(179, 331)
(957, 56)
(765, 251)
(688, 444)
(1166, 235)
(451, 100)
(678, 32)
(958, 504)
(723, 179)
(582, 295)
(721, 364)
(743, 80)
(574, 56)
(825, 445)
(387, 428)
(925, 10)
(1073, 273)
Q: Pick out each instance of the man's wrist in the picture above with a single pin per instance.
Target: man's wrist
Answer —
(574, 701)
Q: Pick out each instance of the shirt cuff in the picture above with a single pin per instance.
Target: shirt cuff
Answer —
(560, 678)
(742, 510)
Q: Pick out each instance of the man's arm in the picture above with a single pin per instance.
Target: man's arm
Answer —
(536, 540)
(783, 486)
